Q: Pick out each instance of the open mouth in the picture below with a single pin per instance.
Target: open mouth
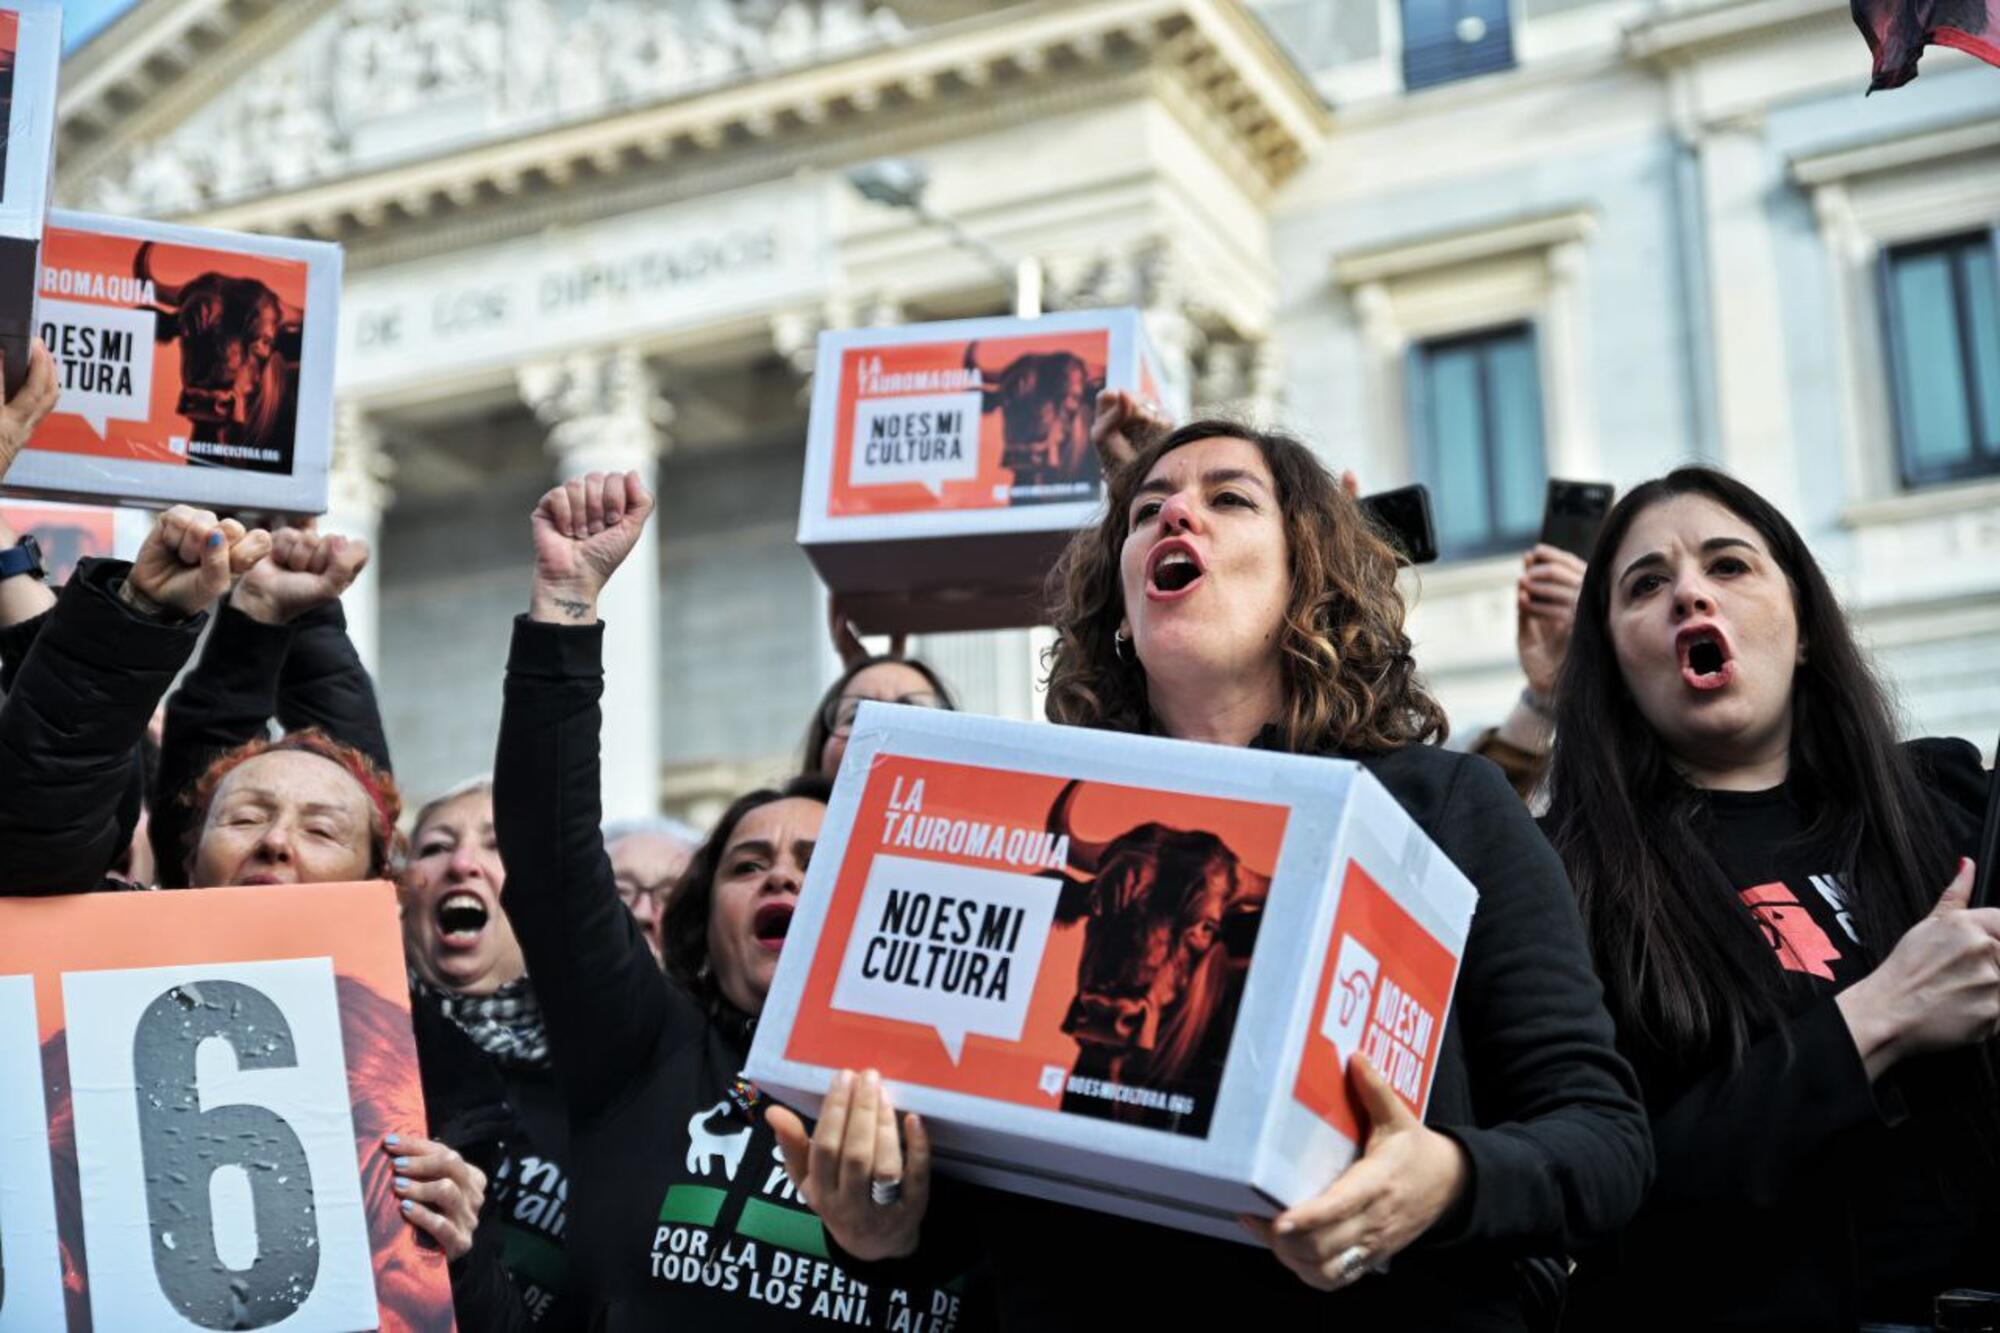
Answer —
(1172, 569)
(771, 924)
(1705, 659)
(461, 917)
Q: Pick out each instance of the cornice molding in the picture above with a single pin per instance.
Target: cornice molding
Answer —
(1465, 245)
(1263, 110)
(159, 62)
(1691, 28)
(1926, 146)
(633, 189)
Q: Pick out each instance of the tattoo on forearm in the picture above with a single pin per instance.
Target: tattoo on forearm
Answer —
(572, 608)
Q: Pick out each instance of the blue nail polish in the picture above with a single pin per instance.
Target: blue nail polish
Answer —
(215, 539)
(402, 1185)
(409, 1205)
(401, 1163)
(391, 1140)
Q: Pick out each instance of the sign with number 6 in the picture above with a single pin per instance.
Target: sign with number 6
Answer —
(194, 1089)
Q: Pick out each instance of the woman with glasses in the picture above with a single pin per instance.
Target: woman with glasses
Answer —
(889, 680)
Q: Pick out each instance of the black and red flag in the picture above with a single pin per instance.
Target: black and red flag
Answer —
(1899, 30)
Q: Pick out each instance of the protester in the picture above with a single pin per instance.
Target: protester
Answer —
(278, 649)
(1544, 610)
(1775, 893)
(647, 858)
(1283, 629)
(893, 680)
(681, 1213)
(483, 1048)
(71, 771)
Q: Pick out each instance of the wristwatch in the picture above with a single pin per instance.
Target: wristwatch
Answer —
(24, 557)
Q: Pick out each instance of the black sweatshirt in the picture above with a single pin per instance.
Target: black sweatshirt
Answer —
(509, 1121)
(1528, 1082)
(1792, 1193)
(76, 709)
(681, 1215)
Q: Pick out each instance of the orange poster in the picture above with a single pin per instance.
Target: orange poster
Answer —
(1384, 997)
(170, 353)
(961, 424)
(1073, 946)
(194, 1091)
(67, 534)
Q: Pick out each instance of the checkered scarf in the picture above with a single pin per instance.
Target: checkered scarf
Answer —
(507, 1024)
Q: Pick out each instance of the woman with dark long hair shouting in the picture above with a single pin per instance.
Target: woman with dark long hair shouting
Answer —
(1775, 892)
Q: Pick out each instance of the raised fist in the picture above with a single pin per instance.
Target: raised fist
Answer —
(188, 560)
(583, 531)
(304, 570)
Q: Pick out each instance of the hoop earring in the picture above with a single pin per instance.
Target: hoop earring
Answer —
(1121, 645)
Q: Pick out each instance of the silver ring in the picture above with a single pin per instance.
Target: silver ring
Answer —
(1350, 1264)
(885, 1193)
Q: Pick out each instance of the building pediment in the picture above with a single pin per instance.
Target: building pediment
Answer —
(341, 119)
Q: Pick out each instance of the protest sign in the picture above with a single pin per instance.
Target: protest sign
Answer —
(196, 366)
(70, 533)
(30, 52)
(947, 463)
(194, 1089)
(1116, 971)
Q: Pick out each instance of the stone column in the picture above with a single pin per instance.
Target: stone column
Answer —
(358, 494)
(604, 414)
(1752, 379)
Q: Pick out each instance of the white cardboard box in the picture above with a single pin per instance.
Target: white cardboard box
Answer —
(149, 413)
(960, 930)
(947, 464)
(30, 57)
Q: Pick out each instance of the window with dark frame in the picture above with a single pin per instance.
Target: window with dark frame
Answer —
(1941, 299)
(1475, 416)
(1448, 40)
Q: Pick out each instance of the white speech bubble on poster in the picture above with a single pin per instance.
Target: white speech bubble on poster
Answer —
(953, 948)
(31, 1289)
(104, 360)
(928, 439)
(265, 1038)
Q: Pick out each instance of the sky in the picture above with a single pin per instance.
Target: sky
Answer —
(83, 18)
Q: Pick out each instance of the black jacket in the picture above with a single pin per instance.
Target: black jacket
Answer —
(77, 706)
(1770, 1169)
(1528, 1082)
(682, 1216)
(511, 1123)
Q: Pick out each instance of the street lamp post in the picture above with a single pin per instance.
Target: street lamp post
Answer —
(899, 183)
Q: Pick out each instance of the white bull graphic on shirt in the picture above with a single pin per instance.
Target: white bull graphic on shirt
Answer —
(706, 1146)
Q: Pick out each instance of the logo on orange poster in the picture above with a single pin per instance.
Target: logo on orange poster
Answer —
(171, 354)
(194, 1090)
(1073, 946)
(979, 424)
(1383, 995)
